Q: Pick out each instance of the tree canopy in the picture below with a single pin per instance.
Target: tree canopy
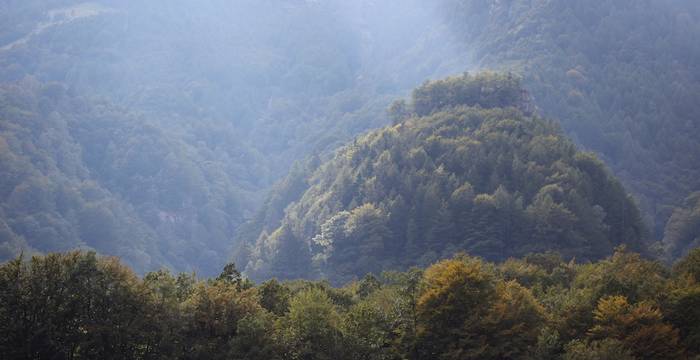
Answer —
(78, 305)
(450, 175)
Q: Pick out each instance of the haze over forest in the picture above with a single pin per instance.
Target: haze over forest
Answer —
(188, 114)
(521, 147)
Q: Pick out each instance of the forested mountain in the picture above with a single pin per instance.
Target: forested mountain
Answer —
(150, 130)
(622, 77)
(465, 167)
(86, 173)
(395, 179)
(153, 130)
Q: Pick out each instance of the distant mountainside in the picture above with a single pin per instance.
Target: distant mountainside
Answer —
(622, 76)
(79, 173)
(683, 229)
(181, 116)
(151, 130)
(465, 167)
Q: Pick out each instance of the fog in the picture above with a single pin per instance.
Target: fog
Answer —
(190, 111)
(152, 130)
(248, 63)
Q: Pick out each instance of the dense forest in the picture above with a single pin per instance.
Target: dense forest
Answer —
(76, 173)
(165, 125)
(465, 167)
(334, 179)
(151, 131)
(537, 307)
(620, 75)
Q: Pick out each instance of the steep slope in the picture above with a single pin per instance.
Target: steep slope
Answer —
(232, 93)
(682, 233)
(623, 77)
(77, 173)
(179, 115)
(465, 167)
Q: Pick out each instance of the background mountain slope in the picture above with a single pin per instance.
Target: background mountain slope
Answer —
(179, 116)
(623, 77)
(465, 169)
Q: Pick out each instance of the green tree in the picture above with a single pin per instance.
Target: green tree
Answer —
(274, 297)
(368, 285)
(311, 328)
(212, 313)
(368, 332)
(254, 338)
(608, 349)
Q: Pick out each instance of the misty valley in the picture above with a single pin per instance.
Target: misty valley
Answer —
(330, 179)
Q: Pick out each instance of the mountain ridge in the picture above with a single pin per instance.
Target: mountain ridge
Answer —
(451, 175)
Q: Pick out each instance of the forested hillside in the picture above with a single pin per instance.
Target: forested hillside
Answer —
(683, 228)
(539, 307)
(465, 167)
(85, 173)
(349, 179)
(154, 130)
(151, 130)
(622, 77)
